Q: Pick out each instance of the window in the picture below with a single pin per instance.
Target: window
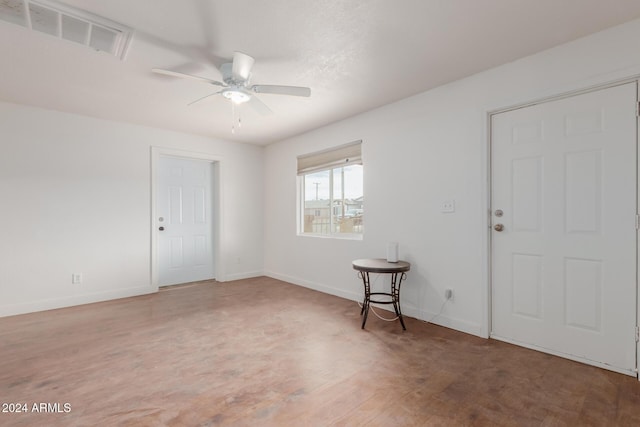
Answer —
(331, 197)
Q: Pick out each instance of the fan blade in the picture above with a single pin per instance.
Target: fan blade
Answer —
(282, 90)
(186, 76)
(204, 97)
(242, 64)
(259, 106)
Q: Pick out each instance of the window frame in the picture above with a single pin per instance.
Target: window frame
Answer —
(330, 167)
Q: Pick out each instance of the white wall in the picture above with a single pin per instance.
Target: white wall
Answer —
(75, 197)
(417, 153)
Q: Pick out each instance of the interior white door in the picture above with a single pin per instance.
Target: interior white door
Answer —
(564, 189)
(184, 222)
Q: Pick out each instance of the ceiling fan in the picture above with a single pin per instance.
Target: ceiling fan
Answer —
(235, 84)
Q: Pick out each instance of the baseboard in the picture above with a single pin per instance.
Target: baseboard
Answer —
(353, 296)
(54, 303)
(50, 304)
(240, 276)
(445, 320)
(441, 319)
(70, 301)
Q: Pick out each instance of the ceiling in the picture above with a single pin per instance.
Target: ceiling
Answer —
(355, 55)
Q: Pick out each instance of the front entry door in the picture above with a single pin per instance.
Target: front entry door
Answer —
(564, 227)
(184, 223)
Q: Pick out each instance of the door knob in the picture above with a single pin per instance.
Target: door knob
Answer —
(161, 228)
(498, 227)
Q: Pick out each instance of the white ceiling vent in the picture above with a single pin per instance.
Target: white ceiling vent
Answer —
(62, 21)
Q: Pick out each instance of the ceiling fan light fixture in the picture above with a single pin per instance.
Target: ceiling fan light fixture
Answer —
(236, 96)
(235, 83)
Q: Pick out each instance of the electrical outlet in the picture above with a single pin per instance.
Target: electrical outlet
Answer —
(448, 294)
(448, 206)
(76, 278)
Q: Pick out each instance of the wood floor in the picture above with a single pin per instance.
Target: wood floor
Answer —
(261, 352)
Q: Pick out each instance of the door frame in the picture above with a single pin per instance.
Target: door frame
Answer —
(216, 200)
(487, 208)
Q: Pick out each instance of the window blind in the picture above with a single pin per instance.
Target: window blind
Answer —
(344, 155)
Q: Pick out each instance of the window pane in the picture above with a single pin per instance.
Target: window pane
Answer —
(353, 181)
(352, 205)
(337, 206)
(333, 201)
(317, 203)
(337, 183)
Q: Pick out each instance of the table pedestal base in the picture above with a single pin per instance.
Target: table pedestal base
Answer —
(396, 281)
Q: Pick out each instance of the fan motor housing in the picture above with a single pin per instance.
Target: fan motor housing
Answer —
(227, 75)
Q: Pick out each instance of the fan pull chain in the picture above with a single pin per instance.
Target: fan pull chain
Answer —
(233, 119)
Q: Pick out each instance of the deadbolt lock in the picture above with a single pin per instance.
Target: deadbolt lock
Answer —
(498, 213)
